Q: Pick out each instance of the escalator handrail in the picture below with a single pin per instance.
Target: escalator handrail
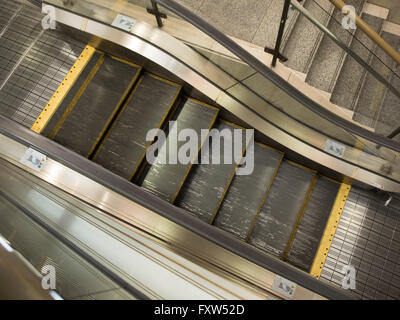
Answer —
(260, 67)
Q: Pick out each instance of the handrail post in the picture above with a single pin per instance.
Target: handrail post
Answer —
(282, 24)
(157, 13)
(394, 133)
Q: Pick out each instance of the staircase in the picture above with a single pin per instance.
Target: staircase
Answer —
(328, 68)
(315, 57)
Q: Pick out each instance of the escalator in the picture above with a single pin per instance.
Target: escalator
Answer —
(106, 104)
(274, 208)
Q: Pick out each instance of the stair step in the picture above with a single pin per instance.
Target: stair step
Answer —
(247, 193)
(274, 224)
(71, 94)
(389, 116)
(163, 179)
(305, 37)
(351, 75)
(329, 57)
(207, 184)
(124, 147)
(91, 104)
(268, 30)
(372, 95)
(312, 225)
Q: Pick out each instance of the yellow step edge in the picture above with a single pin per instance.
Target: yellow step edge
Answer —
(300, 215)
(330, 229)
(189, 168)
(267, 190)
(228, 185)
(63, 89)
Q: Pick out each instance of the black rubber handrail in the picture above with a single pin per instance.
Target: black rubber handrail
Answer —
(260, 67)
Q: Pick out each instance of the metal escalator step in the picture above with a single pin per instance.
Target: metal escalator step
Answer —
(312, 225)
(94, 105)
(166, 179)
(278, 216)
(71, 94)
(125, 145)
(247, 193)
(207, 184)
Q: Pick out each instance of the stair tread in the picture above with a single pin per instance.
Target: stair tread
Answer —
(165, 179)
(124, 147)
(312, 225)
(351, 75)
(305, 36)
(329, 56)
(389, 116)
(269, 26)
(207, 183)
(86, 122)
(281, 208)
(247, 192)
(372, 95)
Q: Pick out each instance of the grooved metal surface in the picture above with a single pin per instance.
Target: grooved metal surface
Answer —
(30, 82)
(124, 147)
(246, 193)
(281, 208)
(71, 94)
(313, 223)
(95, 107)
(207, 183)
(368, 238)
(7, 10)
(165, 179)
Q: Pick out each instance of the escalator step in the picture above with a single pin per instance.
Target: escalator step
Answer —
(61, 109)
(166, 179)
(247, 192)
(278, 216)
(90, 112)
(312, 225)
(207, 184)
(125, 145)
